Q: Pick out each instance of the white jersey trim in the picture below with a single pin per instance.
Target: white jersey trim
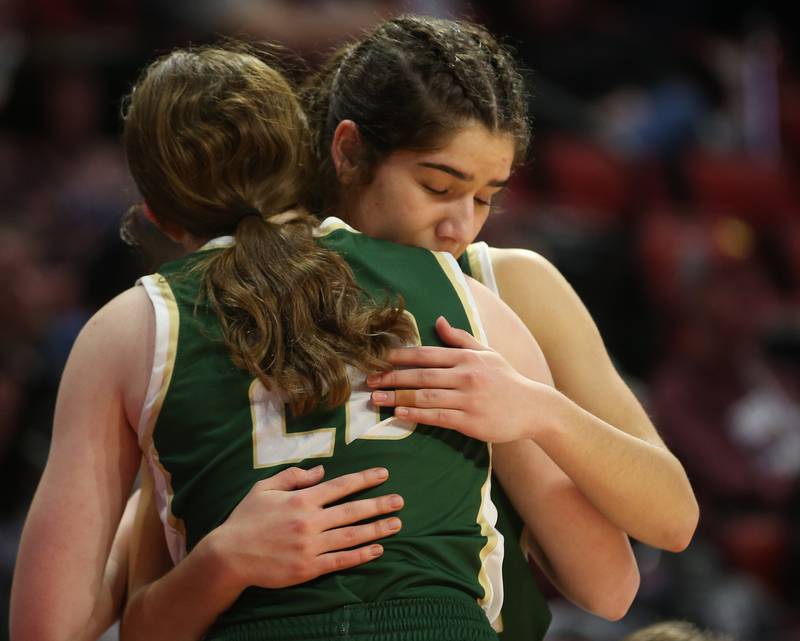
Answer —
(332, 224)
(166, 343)
(480, 264)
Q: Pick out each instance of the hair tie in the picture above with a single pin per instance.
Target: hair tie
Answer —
(249, 211)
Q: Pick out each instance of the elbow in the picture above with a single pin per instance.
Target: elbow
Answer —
(614, 602)
(678, 537)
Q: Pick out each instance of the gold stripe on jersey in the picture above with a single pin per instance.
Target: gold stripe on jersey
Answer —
(490, 575)
(491, 556)
(458, 280)
(166, 347)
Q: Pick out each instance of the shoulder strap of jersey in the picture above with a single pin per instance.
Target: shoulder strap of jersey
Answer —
(479, 262)
(332, 224)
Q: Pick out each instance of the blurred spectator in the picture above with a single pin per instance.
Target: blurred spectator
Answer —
(310, 28)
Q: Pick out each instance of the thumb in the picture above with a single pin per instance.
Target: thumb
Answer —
(454, 337)
(293, 478)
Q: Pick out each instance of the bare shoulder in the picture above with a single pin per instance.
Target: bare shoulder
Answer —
(554, 313)
(120, 323)
(117, 344)
(511, 256)
(514, 267)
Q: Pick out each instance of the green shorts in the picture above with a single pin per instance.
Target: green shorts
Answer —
(435, 619)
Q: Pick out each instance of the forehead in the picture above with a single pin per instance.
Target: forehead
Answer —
(472, 150)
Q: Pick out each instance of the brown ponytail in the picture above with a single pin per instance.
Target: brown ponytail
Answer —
(215, 137)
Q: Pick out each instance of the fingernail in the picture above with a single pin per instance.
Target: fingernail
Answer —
(380, 473)
(376, 550)
(396, 501)
(379, 397)
(401, 411)
(373, 379)
(316, 469)
(393, 523)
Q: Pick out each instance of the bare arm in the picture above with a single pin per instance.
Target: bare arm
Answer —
(588, 558)
(641, 487)
(63, 555)
(591, 425)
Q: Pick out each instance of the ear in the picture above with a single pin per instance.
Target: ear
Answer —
(346, 150)
(172, 231)
(148, 213)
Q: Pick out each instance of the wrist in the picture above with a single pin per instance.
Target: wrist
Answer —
(549, 416)
(220, 563)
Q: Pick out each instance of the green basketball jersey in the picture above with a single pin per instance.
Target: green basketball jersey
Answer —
(525, 615)
(210, 431)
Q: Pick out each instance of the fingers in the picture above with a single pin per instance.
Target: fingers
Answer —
(448, 418)
(416, 378)
(425, 356)
(348, 537)
(342, 486)
(455, 337)
(426, 398)
(355, 511)
(293, 478)
(335, 561)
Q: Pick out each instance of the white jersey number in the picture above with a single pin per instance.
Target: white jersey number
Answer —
(273, 445)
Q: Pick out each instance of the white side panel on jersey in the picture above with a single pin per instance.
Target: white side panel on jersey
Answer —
(166, 342)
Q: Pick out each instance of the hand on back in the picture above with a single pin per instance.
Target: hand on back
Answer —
(283, 534)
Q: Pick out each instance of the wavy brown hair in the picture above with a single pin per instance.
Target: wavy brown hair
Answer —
(217, 143)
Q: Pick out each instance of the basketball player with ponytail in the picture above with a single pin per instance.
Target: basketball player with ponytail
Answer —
(237, 370)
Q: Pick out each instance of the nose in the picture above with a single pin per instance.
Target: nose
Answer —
(458, 223)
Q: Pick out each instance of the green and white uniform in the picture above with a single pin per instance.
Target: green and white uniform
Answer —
(210, 431)
(525, 615)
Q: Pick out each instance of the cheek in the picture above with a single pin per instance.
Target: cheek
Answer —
(399, 209)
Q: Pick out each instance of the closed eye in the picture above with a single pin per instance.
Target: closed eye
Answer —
(438, 192)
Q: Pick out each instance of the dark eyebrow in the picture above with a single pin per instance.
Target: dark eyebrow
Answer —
(459, 174)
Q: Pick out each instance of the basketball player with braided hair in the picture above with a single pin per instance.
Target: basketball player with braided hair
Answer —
(403, 125)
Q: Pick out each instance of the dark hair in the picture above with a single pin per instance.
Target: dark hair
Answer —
(217, 142)
(410, 84)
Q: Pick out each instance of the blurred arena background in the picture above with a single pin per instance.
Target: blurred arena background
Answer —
(663, 182)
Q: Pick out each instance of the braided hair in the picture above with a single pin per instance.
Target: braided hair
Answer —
(411, 84)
